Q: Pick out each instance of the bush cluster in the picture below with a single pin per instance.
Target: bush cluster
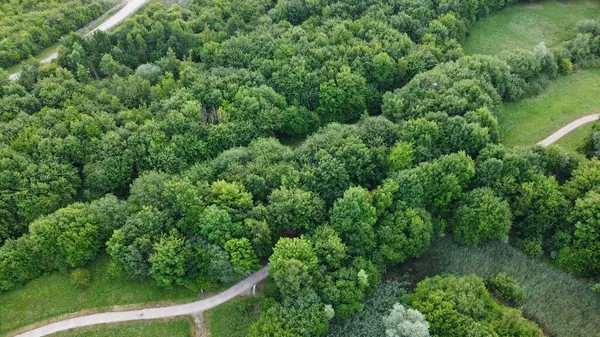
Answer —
(584, 49)
(507, 289)
(68, 238)
(462, 306)
(81, 278)
(405, 322)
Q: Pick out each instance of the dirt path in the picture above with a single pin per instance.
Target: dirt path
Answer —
(568, 128)
(152, 313)
(127, 10)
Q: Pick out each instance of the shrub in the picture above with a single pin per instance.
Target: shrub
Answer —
(81, 278)
(480, 216)
(150, 72)
(595, 287)
(531, 246)
(581, 49)
(403, 322)
(588, 26)
(565, 66)
(506, 288)
(115, 271)
(461, 306)
(278, 320)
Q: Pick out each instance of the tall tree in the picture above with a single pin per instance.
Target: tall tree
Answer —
(353, 217)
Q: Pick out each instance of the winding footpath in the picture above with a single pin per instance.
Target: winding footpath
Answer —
(568, 128)
(129, 9)
(240, 288)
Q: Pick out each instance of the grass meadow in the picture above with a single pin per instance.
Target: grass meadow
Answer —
(233, 318)
(524, 25)
(53, 295)
(563, 305)
(567, 98)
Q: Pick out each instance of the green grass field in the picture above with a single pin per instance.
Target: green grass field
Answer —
(567, 98)
(233, 319)
(562, 304)
(525, 25)
(53, 295)
(175, 327)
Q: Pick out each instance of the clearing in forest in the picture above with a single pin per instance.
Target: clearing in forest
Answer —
(525, 25)
(567, 98)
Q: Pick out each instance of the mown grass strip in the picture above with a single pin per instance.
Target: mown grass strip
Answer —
(174, 327)
(524, 25)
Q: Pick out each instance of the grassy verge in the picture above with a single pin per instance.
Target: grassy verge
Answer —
(564, 305)
(567, 98)
(175, 327)
(576, 138)
(53, 295)
(234, 318)
(525, 25)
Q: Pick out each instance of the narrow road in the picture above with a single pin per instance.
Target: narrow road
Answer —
(151, 313)
(121, 15)
(127, 10)
(568, 128)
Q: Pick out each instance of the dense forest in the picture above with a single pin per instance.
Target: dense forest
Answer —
(28, 27)
(163, 145)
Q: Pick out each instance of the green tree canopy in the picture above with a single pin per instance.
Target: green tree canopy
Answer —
(353, 217)
(481, 215)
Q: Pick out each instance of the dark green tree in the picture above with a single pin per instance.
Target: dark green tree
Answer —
(481, 215)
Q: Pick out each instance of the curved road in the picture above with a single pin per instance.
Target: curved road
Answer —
(127, 10)
(568, 128)
(152, 313)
